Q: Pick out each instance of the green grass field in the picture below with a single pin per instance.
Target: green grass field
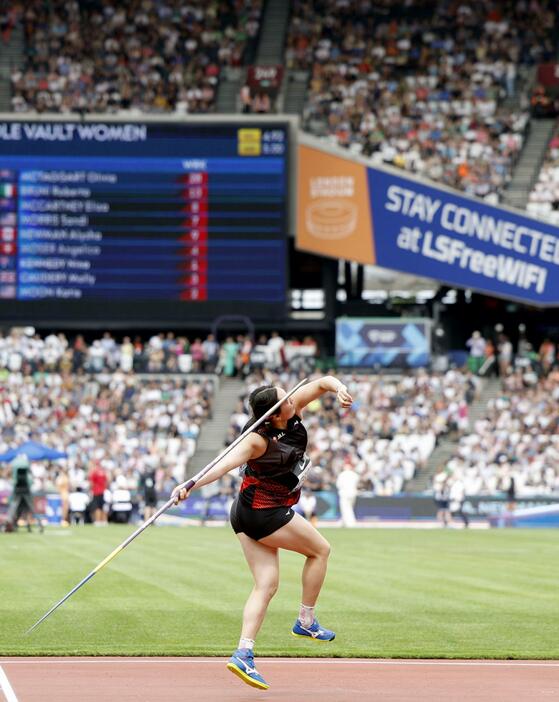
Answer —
(389, 593)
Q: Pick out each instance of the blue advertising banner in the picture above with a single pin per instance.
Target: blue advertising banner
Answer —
(369, 342)
(218, 506)
(374, 216)
(423, 230)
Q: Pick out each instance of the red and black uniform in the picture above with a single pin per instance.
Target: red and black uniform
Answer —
(98, 481)
(271, 482)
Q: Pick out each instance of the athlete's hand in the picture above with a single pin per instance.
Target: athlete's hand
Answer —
(179, 494)
(343, 396)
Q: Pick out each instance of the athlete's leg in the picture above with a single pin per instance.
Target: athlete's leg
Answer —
(263, 562)
(300, 536)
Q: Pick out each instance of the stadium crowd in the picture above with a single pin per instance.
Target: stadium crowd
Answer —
(420, 85)
(517, 439)
(145, 55)
(543, 201)
(118, 425)
(518, 367)
(23, 350)
(417, 84)
(122, 424)
(133, 434)
(390, 432)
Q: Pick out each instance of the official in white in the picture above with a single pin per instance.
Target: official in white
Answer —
(347, 483)
(457, 499)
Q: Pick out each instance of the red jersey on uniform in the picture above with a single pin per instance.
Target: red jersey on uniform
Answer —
(269, 481)
(98, 480)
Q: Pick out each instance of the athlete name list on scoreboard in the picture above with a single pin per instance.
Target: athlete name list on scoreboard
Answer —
(153, 212)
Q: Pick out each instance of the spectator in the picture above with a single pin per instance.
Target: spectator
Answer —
(210, 349)
(476, 344)
(79, 353)
(277, 348)
(197, 354)
(524, 348)
(96, 357)
(246, 100)
(126, 355)
(547, 355)
(261, 103)
(243, 355)
(542, 103)
(228, 359)
(489, 366)
(505, 355)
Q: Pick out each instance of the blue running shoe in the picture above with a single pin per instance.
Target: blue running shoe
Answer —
(242, 664)
(314, 632)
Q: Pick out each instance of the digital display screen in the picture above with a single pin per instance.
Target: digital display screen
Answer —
(144, 216)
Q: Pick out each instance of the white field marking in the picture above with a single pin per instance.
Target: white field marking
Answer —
(7, 689)
(131, 660)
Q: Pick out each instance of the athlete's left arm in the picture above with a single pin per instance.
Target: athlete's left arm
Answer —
(316, 388)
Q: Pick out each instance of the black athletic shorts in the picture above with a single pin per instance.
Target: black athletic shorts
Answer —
(98, 502)
(258, 523)
(150, 499)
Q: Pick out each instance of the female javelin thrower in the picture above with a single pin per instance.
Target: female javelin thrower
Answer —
(275, 466)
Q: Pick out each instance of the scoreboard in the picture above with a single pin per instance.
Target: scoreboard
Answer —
(160, 221)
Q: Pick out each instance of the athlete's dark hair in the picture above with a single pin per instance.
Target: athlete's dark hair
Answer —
(261, 399)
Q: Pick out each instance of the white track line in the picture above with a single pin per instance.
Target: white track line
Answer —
(5, 686)
(288, 661)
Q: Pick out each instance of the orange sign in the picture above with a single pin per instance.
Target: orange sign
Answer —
(333, 208)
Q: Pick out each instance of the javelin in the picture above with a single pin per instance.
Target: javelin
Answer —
(188, 485)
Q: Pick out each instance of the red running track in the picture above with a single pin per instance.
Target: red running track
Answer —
(291, 679)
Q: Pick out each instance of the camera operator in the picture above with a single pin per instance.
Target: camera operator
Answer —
(22, 501)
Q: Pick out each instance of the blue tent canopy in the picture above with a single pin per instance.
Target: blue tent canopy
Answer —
(34, 452)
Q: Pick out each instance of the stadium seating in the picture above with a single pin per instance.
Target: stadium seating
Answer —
(390, 432)
(126, 422)
(517, 437)
(149, 56)
(422, 89)
(420, 84)
(543, 201)
(24, 350)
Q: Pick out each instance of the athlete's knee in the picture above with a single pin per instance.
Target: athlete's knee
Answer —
(267, 588)
(322, 549)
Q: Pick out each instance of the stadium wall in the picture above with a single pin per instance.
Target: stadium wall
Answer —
(535, 511)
